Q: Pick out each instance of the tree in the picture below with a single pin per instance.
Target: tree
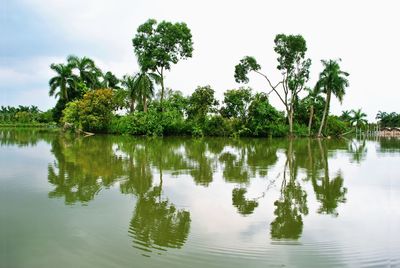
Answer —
(128, 83)
(158, 46)
(64, 81)
(332, 80)
(201, 102)
(88, 72)
(110, 81)
(312, 98)
(358, 118)
(236, 103)
(143, 85)
(346, 116)
(293, 66)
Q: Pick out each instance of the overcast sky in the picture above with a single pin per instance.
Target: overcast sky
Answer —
(364, 34)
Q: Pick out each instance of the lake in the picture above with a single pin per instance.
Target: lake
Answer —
(121, 201)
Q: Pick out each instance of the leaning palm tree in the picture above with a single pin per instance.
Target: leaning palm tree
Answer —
(64, 81)
(88, 72)
(332, 80)
(144, 86)
(358, 118)
(128, 82)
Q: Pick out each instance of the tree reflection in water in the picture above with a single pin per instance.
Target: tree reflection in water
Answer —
(292, 203)
(157, 224)
(85, 166)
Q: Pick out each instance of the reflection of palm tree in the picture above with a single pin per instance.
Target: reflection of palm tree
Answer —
(292, 204)
(328, 192)
(158, 224)
(358, 150)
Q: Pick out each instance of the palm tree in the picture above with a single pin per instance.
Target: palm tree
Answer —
(311, 99)
(358, 118)
(129, 83)
(144, 86)
(346, 115)
(332, 80)
(88, 72)
(110, 81)
(65, 81)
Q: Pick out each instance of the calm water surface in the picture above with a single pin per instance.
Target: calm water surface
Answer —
(115, 201)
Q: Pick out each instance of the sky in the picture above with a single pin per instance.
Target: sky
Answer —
(363, 34)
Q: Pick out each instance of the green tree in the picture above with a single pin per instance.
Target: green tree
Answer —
(358, 118)
(128, 82)
(311, 101)
(293, 66)
(236, 103)
(143, 85)
(158, 46)
(110, 81)
(96, 109)
(88, 72)
(332, 80)
(64, 81)
(201, 102)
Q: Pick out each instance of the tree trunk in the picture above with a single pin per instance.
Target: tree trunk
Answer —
(162, 88)
(144, 104)
(325, 115)
(290, 119)
(132, 105)
(311, 119)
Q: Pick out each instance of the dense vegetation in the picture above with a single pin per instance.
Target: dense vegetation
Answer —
(24, 115)
(141, 104)
(388, 119)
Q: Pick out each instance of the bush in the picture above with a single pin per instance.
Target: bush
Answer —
(335, 126)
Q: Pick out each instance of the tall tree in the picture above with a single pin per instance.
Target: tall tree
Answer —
(64, 81)
(332, 80)
(158, 46)
(293, 66)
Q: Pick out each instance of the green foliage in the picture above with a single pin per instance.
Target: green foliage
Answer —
(158, 46)
(264, 119)
(336, 127)
(201, 103)
(24, 115)
(246, 65)
(388, 119)
(94, 112)
(236, 103)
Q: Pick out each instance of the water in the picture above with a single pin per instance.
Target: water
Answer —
(115, 201)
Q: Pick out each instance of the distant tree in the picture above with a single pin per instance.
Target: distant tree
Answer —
(158, 46)
(332, 80)
(293, 66)
(358, 118)
(346, 116)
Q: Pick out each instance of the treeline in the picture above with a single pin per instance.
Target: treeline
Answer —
(89, 99)
(388, 119)
(24, 115)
